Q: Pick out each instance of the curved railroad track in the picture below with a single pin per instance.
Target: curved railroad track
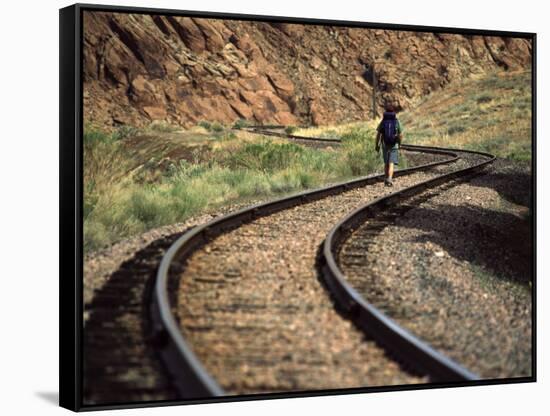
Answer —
(400, 342)
(275, 131)
(212, 263)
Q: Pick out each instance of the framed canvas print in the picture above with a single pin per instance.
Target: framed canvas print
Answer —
(257, 207)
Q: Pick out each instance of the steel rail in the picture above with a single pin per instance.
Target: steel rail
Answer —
(403, 344)
(187, 373)
(267, 131)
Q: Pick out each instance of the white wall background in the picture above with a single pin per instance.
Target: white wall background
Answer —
(29, 206)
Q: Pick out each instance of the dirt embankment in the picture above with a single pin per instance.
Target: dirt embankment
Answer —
(140, 68)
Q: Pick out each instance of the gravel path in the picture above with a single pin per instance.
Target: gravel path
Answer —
(456, 270)
(258, 318)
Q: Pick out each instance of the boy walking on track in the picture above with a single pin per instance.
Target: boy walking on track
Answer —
(390, 134)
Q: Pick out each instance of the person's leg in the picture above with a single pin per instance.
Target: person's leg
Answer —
(386, 170)
(393, 160)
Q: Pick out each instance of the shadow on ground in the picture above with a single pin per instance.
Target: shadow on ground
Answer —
(119, 358)
(497, 241)
(514, 187)
(52, 397)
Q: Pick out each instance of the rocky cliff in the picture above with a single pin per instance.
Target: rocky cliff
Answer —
(141, 68)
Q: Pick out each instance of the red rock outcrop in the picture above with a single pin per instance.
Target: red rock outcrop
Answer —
(140, 68)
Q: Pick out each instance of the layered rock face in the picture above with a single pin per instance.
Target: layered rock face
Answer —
(142, 68)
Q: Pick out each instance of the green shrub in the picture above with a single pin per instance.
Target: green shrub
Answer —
(90, 198)
(329, 134)
(290, 129)
(163, 127)
(455, 129)
(226, 136)
(216, 127)
(205, 124)
(146, 205)
(239, 124)
(484, 99)
(361, 157)
(265, 156)
(92, 136)
(124, 132)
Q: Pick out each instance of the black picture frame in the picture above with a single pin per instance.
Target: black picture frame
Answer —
(71, 191)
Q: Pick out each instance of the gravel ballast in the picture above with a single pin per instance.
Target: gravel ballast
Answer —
(254, 311)
(121, 365)
(120, 361)
(456, 270)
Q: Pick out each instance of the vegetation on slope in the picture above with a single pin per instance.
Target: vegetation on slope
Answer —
(491, 114)
(137, 180)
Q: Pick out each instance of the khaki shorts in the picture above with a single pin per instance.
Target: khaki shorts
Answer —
(390, 155)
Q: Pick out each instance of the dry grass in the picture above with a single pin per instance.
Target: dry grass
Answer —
(334, 131)
(144, 179)
(491, 114)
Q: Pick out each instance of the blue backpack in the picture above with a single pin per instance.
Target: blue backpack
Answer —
(389, 128)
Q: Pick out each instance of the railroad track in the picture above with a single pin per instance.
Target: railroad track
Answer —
(400, 342)
(192, 369)
(275, 131)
